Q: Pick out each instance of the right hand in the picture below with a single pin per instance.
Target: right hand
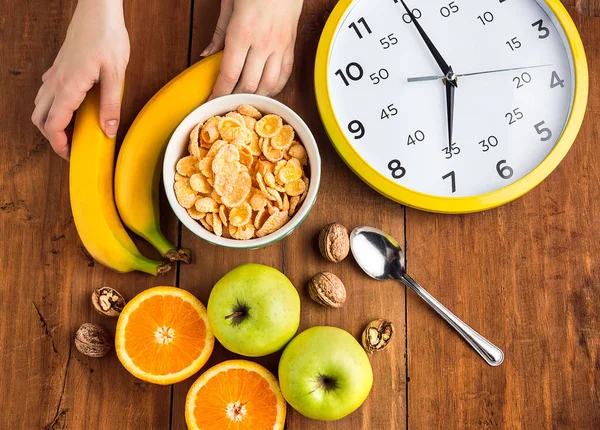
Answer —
(96, 49)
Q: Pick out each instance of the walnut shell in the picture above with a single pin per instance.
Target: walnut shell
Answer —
(377, 335)
(334, 242)
(107, 301)
(93, 340)
(327, 290)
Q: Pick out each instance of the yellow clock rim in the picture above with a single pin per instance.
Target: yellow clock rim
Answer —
(428, 202)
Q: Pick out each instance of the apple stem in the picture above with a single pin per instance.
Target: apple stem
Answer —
(235, 314)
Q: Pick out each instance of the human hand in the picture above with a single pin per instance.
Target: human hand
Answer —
(258, 37)
(96, 49)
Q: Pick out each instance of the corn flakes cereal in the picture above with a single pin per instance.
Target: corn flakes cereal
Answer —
(250, 111)
(215, 148)
(268, 125)
(273, 223)
(249, 121)
(240, 215)
(195, 214)
(284, 138)
(223, 214)
(205, 166)
(299, 152)
(292, 171)
(184, 193)
(260, 218)
(210, 132)
(295, 188)
(270, 153)
(187, 166)
(244, 175)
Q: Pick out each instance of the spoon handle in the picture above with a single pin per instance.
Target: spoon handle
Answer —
(490, 352)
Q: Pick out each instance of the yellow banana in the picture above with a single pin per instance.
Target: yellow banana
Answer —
(91, 192)
(139, 164)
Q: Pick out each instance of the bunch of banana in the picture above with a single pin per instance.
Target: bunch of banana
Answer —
(91, 192)
(139, 165)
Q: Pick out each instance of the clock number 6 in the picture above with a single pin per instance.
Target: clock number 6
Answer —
(396, 168)
(545, 131)
(354, 72)
(505, 172)
(356, 127)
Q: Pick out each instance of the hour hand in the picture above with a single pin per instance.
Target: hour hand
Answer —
(446, 69)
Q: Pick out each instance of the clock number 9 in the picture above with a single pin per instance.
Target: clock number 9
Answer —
(446, 11)
(354, 72)
(396, 169)
(505, 172)
(356, 127)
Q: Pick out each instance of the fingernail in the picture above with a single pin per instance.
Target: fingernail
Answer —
(110, 128)
(208, 50)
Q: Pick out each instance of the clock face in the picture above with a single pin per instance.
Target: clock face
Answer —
(514, 96)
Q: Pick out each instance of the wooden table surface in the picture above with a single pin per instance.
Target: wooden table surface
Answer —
(525, 275)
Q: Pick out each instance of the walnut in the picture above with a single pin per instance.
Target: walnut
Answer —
(93, 340)
(377, 335)
(107, 301)
(334, 242)
(327, 290)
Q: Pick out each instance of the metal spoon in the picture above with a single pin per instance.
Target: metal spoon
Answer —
(381, 257)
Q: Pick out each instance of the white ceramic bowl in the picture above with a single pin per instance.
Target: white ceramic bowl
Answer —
(178, 145)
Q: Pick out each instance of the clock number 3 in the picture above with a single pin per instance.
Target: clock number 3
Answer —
(545, 32)
(396, 168)
(354, 72)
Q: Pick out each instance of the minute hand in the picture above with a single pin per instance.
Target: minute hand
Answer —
(446, 69)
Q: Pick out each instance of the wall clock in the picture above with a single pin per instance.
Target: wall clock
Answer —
(451, 106)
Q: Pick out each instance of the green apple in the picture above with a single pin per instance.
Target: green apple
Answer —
(325, 374)
(254, 310)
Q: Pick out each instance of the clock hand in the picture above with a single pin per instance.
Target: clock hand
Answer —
(435, 78)
(446, 69)
(450, 111)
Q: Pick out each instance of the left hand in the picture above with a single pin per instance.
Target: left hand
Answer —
(258, 37)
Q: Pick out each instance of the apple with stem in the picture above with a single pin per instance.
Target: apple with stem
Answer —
(325, 374)
(254, 310)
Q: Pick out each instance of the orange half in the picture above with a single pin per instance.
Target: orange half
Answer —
(163, 335)
(236, 395)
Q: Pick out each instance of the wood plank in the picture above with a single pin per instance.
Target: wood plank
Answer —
(525, 276)
(46, 382)
(298, 255)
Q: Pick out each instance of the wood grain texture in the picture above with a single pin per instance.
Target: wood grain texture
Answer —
(526, 276)
(45, 382)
